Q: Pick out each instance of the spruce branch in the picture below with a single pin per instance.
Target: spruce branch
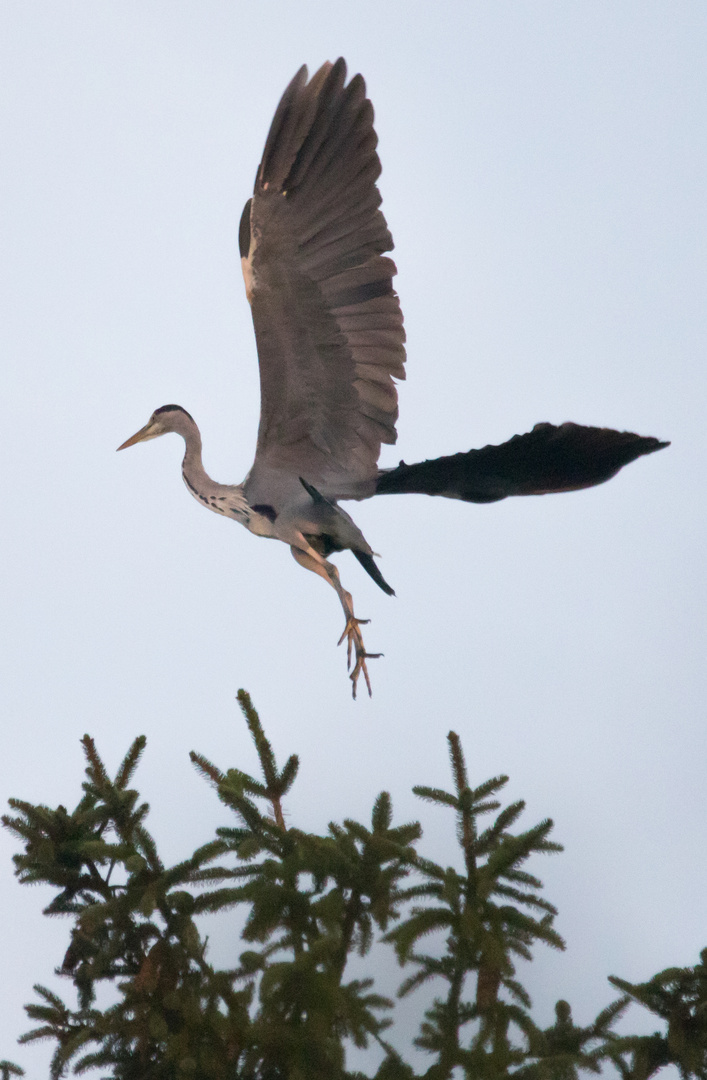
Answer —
(130, 762)
(205, 767)
(95, 769)
(8, 1069)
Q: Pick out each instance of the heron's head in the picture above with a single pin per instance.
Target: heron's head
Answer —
(167, 418)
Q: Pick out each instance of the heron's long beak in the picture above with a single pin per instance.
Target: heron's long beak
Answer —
(144, 433)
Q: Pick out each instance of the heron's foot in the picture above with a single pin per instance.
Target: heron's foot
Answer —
(355, 648)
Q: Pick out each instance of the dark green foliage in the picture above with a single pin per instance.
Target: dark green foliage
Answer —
(288, 1009)
(678, 997)
(483, 931)
(564, 1050)
(133, 927)
(7, 1069)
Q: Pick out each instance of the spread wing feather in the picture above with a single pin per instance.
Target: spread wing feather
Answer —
(328, 324)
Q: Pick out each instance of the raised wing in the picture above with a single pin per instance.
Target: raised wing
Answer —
(546, 459)
(328, 324)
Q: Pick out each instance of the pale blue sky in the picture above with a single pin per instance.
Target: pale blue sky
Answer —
(544, 179)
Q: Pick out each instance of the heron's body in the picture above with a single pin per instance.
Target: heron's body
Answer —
(330, 339)
(313, 518)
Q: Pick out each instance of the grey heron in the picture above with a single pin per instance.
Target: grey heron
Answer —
(330, 341)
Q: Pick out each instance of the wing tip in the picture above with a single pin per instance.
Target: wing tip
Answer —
(296, 112)
(369, 565)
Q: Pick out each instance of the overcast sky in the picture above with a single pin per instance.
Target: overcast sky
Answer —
(544, 179)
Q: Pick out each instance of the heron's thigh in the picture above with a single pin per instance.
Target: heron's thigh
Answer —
(316, 564)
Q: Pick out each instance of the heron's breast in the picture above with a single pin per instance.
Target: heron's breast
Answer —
(223, 501)
(261, 521)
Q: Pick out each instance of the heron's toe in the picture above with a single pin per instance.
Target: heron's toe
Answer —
(355, 647)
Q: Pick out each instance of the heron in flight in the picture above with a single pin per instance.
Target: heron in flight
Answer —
(330, 341)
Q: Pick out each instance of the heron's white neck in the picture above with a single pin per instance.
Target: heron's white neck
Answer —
(192, 464)
(226, 499)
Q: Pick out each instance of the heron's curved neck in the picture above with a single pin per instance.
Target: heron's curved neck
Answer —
(192, 464)
(221, 498)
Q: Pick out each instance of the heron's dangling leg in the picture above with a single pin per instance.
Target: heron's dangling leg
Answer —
(311, 560)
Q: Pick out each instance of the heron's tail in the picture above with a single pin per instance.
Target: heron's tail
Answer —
(546, 459)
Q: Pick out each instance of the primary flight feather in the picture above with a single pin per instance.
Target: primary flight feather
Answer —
(329, 333)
